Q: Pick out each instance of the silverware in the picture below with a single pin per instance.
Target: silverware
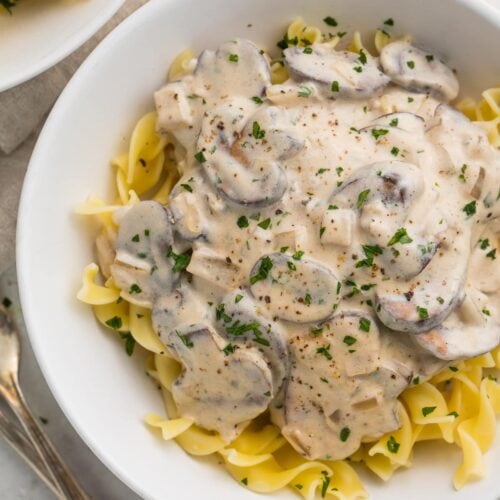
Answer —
(58, 473)
(22, 445)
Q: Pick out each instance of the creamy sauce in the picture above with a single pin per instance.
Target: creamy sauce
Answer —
(331, 240)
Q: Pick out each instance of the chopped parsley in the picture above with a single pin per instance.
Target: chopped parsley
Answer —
(389, 22)
(370, 252)
(6, 302)
(308, 50)
(324, 486)
(427, 410)
(462, 172)
(299, 486)
(242, 222)
(331, 21)
(492, 254)
(257, 132)
(316, 331)
(115, 322)
(283, 249)
(298, 255)
(136, 238)
(335, 86)
(394, 122)
(266, 264)
(308, 299)
(422, 312)
(257, 100)
(486, 312)
(362, 198)
(200, 157)
(286, 42)
(364, 324)
(229, 349)
(453, 414)
(440, 300)
(484, 244)
(344, 434)
(245, 481)
(394, 151)
(187, 187)
(349, 340)
(362, 57)
(291, 266)
(358, 69)
(135, 288)
(453, 368)
(305, 91)
(392, 445)
(416, 381)
(321, 231)
(379, 132)
(181, 261)
(400, 236)
(410, 64)
(325, 351)
(322, 171)
(185, 340)
(265, 223)
(238, 298)
(429, 57)
(233, 57)
(129, 343)
(470, 209)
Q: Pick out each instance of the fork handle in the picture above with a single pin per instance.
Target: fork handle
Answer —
(60, 474)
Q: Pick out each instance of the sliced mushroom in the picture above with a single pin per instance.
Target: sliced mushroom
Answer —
(181, 307)
(418, 71)
(328, 413)
(356, 75)
(429, 298)
(302, 291)
(471, 330)
(383, 193)
(240, 321)
(219, 390)
(243, 152)
(238, 62)
(141, 268)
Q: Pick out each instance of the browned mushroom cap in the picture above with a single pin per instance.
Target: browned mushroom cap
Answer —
(340, 392)
(418, 71)
(218, 389)
(241, 323)
(302, 291)
(425, 301)
(471, 330)
(335, 73)
(242, 152)
(239, 63)
(383, 194)
(141, 268)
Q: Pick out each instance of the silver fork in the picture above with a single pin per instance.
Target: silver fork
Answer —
(57, 472)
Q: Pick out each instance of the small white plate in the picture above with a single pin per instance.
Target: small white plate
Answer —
(103, 392)
(40, 33)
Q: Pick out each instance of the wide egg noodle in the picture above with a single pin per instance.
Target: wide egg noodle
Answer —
(465, 399)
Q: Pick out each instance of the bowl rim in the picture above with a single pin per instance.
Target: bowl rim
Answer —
(64, 50)
(481, 7)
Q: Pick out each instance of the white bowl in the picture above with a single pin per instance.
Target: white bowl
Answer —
(102, 391)
(40, 33)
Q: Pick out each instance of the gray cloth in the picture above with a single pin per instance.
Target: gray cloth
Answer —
(22, 110)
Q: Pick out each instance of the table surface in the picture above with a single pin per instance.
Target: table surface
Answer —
(17, 481)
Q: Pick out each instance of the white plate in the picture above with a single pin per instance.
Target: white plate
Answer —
(102, 391)
(40, 33)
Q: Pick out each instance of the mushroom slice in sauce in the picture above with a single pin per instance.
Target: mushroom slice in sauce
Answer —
(243, 152)
(302, 291)
(336, 73)
(327, 412)
(418, 71)
(218, 389)
(425, 301)
(471, 330)
(237, 66)
(383, 194)
(141, 268)
(240, 321)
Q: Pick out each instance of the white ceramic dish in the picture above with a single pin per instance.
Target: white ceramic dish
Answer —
(102, 391)
(40, 33)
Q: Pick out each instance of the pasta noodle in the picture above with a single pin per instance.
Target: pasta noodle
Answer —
(458, 405)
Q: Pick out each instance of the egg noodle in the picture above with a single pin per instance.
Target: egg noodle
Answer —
(457, 405)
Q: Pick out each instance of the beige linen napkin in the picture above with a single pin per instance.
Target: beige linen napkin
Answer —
(22, 111)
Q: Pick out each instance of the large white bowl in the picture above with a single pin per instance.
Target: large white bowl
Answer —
(102, 391)
(40, 33)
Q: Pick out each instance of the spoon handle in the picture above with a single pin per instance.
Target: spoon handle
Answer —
(59, 473)
(17, 440)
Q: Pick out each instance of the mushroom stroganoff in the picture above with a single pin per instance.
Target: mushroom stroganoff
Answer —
(330, 243)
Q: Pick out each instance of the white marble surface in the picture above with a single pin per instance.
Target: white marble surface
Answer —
(17, 481)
